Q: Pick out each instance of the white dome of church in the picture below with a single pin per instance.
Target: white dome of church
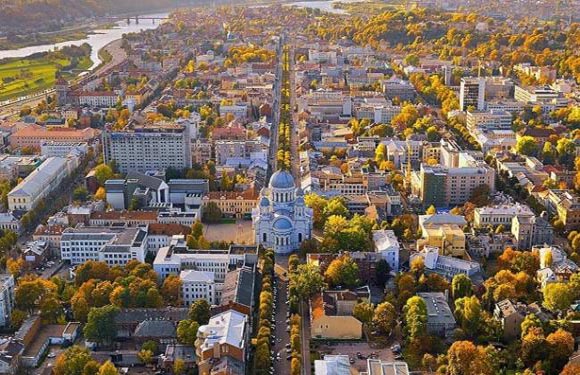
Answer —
(282, 179)
(282, 221)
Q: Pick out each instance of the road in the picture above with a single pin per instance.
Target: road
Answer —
(276, 111)
(281, 366)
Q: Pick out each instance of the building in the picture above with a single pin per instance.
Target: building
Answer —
(35, 253)
(122, 218)
(500, 215)
(387, 244)
(221, 346)
(10, 353)
(235, 204)
(144, 189)
(365, 261)
(40, 183)
(472, 93)
(34, 136)
(488, 120)
(397, 88)
(443, 231)
(447, 266)
(331, 314)
(563, 203)
(440, 319)
(114, 246)
(146, 148)
(9, 222)
(444, 185)
(98, 99)
(282, 220)
(332, 365)
(559, 269)
(512, 314)
(171, 260)
(380, 367)
(198, 285)
(6, 299)
(160, 235)
(62, 149)
(532, 231)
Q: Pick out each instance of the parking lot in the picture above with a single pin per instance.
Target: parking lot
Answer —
(352, 349)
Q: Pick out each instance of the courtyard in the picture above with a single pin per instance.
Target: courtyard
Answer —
(239, 232)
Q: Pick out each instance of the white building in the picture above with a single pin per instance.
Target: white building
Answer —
(489, 120)
(198, 285)
(172, 259)
(9, 222)
(40, 183)
(6, 299)
(98, 99)
(387, 244)
(282, 220)
(332, 365)
(500, 214)
(62, 149)
(154, 147)
(472, 93)
(112, 246)
(445, 266)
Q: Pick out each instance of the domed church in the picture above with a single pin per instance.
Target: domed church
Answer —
(282, 221)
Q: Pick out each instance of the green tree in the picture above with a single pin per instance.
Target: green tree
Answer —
(187, 332)
(179, 366)
(527, 145)
(557, 296)
(197, 229)
(461, 286)
(72, 361)
(469, 314)
(211, 213)
(199, 311)
(415, 312)
(308, 280)
(103, 172)
(529, 322)
(80, 194)
(101, 327)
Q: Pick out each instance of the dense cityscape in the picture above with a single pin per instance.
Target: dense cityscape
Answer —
(306, 188)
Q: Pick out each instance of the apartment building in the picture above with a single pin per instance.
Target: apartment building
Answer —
(114, 246)
(380, 114)
(101, 99)
(198, 285)
(398, 88)
(500, 214)
(160, 235)
(443, 231)
(563, 203)
(444, 186)
(6, 299)
(472, 93)
(147, 148)
(40, 183)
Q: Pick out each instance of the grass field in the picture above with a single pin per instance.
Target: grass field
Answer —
(24, 76)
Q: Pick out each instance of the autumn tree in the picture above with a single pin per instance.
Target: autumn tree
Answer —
(465, 358)
(342, 271)
(363, 311)
(461, 286)
(101, 327)
(557, 296)
(384, 318)
(171, 290)
(561, 347)
(72, 361)
(108, 368)
(415, 313)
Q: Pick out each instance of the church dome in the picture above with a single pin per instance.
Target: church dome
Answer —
(264, 202)
(282, 224)
(300, 201)
(282, 180)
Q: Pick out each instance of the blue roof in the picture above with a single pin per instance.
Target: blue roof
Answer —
(282, 180)
(282, 224)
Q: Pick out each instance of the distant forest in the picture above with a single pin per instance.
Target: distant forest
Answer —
(48, 15)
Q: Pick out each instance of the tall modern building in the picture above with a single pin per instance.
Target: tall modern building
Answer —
(6, 299)
(472, 93)
(282, 221)
(152, 147)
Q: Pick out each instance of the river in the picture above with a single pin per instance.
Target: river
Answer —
(97, 39)
(325, 6)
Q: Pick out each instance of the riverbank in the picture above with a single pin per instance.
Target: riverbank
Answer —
(24, 76)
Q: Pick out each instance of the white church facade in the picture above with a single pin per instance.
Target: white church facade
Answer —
(282, 221)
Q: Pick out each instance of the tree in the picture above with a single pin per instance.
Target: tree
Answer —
(557, 296)
(308, 280)
(385, 317)
(80, 194)
(382, 271)
(342, 271)
(461, 286)
(527, 145)
(100, 327)
(14, 266)
(533, 346)
(50, 309)
(108, 368)
(17, 318)
(529, 322)
(464, 358)
(72, 361)
(469, 314)
(211, 213)
(561, 347)
(197, 229)
(200, 311)
(187, 332)
(571, 369)
(146, 356)
(416, 317)
(418, 265)
(171, 290)
(103, 172)
(100, 194)
(364, 312)
(178, 366)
